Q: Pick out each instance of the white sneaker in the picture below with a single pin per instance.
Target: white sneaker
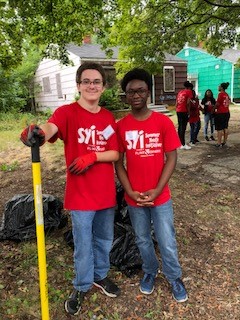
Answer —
(182, 147)
(186, 147)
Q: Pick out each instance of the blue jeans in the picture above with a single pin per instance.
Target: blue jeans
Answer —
(93, 237)
(195, 127)
(208, 118)
(161, 217)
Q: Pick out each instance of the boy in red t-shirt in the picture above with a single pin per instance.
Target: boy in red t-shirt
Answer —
(90, 145)
(194, 119)
(149, 141)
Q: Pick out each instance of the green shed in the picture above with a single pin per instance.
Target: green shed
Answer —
(206, 71)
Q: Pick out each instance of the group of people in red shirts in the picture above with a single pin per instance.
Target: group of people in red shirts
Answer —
(143, 145)
(216, 113)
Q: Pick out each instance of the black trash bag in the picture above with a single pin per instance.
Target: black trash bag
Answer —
(19, 217)
(121, 213)
(68, 237)
(124, 253)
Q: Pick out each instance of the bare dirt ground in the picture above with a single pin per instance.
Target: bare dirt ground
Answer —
(206, 195)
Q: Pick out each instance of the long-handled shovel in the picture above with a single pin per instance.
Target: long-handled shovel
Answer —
(37, 187)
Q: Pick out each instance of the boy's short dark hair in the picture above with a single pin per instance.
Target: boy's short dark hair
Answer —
(92, 66)
(188, 84)
(136, 74)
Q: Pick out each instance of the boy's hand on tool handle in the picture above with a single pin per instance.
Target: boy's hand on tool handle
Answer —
(28, 135)
(81, 164)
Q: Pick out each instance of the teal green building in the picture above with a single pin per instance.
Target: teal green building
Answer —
(206, 71)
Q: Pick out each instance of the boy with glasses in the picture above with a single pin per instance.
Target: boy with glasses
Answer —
(148, 140)
(90, 144)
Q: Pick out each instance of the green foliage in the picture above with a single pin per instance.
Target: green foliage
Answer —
(47, 23)
(17, 87)
(147, 29)
(16, 120)
(111, 99)
(144, 30)
(9, 167)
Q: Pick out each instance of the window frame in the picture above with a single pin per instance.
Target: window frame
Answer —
(167, 81)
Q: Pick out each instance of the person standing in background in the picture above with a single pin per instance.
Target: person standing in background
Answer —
(222, 115)
(208, 102)
(183, 110)
(194, 119)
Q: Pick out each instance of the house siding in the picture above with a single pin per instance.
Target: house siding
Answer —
(162, 97)
(63, 85)
(209, 71)
(50, 68)
(236, 88)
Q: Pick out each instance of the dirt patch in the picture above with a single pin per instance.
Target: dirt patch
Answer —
(206, 195)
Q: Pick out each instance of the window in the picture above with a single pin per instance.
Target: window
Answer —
(59, 86)
(46, 85)
(169, 79)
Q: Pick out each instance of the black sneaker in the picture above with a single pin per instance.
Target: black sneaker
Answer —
(212, 138)
(74, 303)
(108, 287)
(206, 138)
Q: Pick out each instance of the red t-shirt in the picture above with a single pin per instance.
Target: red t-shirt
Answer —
(84, 132)
(182, 98)
(223, 102)
(145, 144)
(194, 111)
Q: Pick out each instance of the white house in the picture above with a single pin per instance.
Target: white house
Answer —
(58, 85)
(58, 82)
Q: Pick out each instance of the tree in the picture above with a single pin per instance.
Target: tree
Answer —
(51, 23)
(147, 29)
(144, 30)
(17, 88)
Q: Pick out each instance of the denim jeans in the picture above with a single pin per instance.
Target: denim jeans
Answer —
(161, 217)
(93, 237)
(195, 127)
(208, 118)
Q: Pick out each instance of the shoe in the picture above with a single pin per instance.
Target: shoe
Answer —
(186, 147)
(147, 284)
(212, 138)
(197, 141)
(192, 144)
(179, 292)
(206, 138)
(223, 144)
(74, 303)
(218, 145)
(108, 287)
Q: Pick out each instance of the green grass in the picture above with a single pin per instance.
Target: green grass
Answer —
(9, 167)
(12, 124)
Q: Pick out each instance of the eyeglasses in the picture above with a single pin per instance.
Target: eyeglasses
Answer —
(140, 92)
(88, 82)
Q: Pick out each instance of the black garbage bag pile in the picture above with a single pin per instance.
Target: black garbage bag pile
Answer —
(124, 253)
(18, 223)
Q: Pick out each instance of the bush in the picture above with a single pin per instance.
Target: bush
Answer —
(111, 100)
